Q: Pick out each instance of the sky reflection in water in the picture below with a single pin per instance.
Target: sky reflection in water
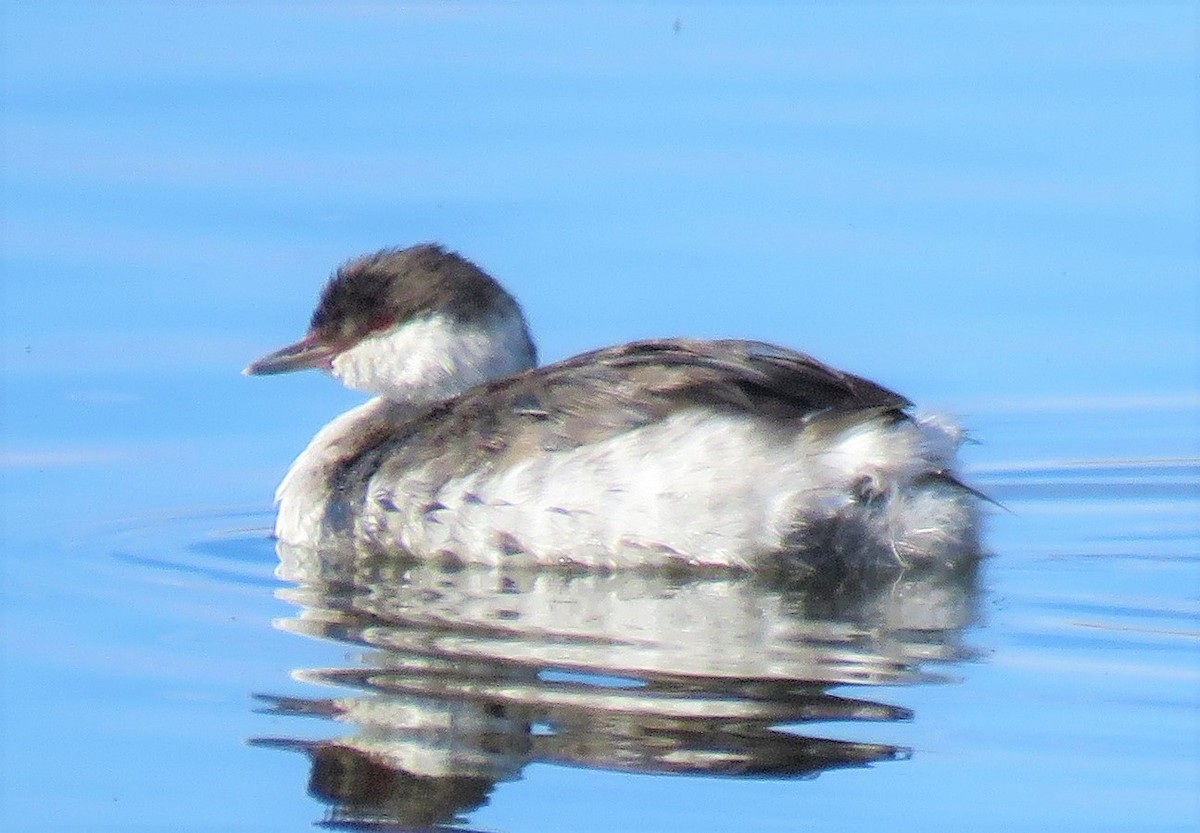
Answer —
(989, 208)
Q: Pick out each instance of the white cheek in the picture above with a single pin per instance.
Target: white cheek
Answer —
(362, 365)
(434, 358)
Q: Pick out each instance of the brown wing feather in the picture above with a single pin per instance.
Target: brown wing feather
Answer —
(766, 376)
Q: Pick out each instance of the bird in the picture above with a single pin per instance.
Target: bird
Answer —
(672, 451)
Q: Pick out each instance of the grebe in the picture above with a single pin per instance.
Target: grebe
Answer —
(722, 453)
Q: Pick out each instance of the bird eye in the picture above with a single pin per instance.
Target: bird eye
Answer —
(379, 322)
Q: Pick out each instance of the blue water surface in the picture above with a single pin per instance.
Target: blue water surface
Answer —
(989, 207)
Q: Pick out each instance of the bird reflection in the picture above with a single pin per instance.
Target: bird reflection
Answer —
(463, 676)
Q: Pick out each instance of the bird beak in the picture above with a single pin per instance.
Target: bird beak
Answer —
(308, 352)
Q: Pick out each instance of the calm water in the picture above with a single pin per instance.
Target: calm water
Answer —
(991, 209)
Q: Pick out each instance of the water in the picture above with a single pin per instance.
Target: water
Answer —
(990, 209)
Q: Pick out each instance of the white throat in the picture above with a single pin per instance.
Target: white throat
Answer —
(436, 356)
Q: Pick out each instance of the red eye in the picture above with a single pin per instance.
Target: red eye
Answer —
(379, 322)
